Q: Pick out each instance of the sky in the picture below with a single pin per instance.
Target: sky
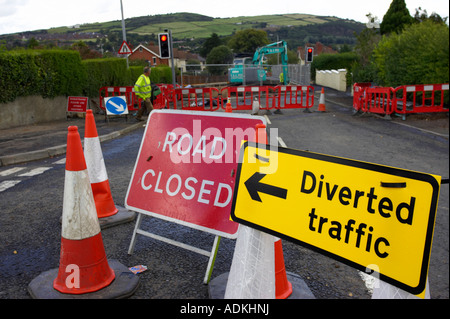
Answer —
(29, 15)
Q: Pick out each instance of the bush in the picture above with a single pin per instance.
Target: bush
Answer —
(52, 73)
(418, 55)
(159, 74)
(49, 73)
(105, 72)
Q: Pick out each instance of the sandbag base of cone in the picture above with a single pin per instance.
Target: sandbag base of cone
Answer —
(300, 290)
(121, 217)
(123, 286)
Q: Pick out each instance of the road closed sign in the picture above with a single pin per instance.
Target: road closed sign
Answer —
(185, 170)
(367, 215)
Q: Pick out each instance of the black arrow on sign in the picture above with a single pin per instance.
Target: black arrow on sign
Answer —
(254, 187)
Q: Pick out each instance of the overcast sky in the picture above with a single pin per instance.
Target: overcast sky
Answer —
(29, 15)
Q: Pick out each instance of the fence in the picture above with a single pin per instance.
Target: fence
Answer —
(423, 98)
(212, 99)
(133, 101)
(194, 99)
(406, 99)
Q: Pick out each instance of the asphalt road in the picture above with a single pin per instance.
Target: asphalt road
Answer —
(30, 230)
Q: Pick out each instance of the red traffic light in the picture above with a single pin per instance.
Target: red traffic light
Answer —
(309, 50)
(164, 38)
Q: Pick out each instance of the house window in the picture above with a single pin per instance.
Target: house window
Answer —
(154, 60)
(140, 49)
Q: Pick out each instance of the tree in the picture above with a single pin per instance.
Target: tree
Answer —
(248, 40)
(32, 43)
(422, 15)
(210, 43)
(396, 18)
(85, 51)
(363, 69)
(219, 55)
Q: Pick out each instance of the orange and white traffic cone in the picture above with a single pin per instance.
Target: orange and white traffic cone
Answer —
(228, 107)
(97, 170)
(258, 270)
(83, 264)
(322, 102)
(283, 288)
(84, 271)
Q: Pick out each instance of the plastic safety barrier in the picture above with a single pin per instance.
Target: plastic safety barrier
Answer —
(406, 99)
(195, 99)
(420, 98)
(133, 101)
(378, 100)
(127, 91)
(211, 99)
(243, 97)
(359, 95)
(295, 97)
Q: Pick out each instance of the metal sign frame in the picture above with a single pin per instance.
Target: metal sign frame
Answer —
(142, 212)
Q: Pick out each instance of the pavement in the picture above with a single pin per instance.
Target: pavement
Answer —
(45, 140)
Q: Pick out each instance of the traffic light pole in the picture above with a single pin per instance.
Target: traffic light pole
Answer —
(171, 57)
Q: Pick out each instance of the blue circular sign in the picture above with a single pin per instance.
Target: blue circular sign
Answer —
(116, 105)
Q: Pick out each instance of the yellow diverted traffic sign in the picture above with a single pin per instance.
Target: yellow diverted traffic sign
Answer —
(367, 215)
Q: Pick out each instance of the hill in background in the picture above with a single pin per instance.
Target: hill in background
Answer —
(190, 29)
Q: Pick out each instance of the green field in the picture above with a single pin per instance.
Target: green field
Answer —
(199, 28)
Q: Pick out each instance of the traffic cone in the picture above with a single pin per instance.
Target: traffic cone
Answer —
(255, 107)
(228, 107)
(97, 170)
(283, 288)
(83, 264)
(257, 270)
(322, 102)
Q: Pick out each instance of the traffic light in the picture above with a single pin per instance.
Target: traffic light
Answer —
(164, 48)
(309, 54)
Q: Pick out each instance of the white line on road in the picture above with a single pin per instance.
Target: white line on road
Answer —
(36, 171)
(11, 171)
(60, 162)
(7, 184)
(281, 142)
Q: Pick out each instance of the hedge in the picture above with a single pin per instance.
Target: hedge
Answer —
(52, 73)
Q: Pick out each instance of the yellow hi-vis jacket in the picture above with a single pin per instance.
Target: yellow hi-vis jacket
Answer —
(142, 87)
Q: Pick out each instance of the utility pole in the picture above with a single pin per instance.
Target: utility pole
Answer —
(124, 33)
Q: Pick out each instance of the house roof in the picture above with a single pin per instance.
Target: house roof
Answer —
(152, 50)
(178, 54)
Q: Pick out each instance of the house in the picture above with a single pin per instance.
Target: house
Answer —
(319, 49)
(150, 53)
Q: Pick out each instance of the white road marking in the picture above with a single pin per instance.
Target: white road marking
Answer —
(36, 171)
(281, 142)
(60, 162)
(7, 184)
(11, 171)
